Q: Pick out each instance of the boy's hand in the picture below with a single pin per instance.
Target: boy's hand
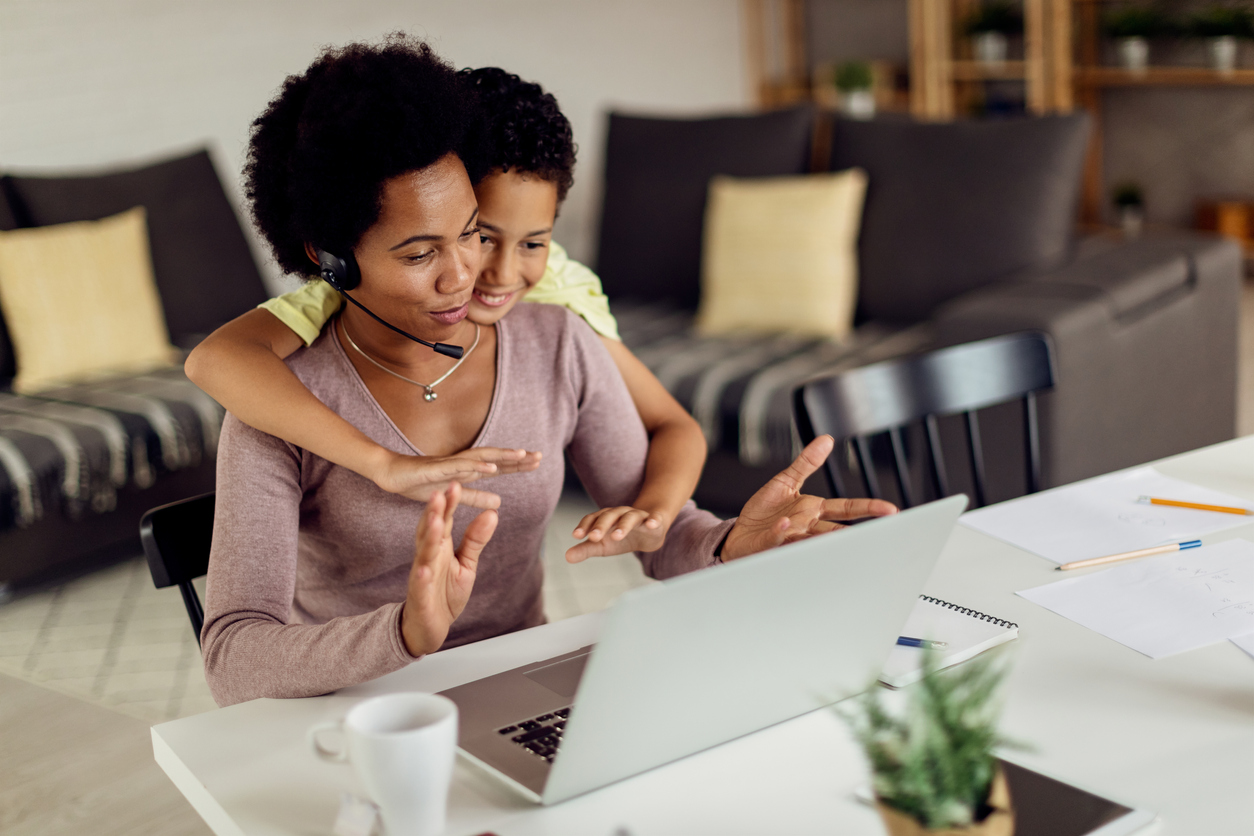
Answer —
(421, 477)
(440, 580)
(617, 530)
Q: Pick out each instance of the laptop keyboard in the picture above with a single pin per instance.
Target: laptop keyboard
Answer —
(541, 735)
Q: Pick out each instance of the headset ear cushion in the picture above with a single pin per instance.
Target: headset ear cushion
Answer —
(352, 277)
(341, 273)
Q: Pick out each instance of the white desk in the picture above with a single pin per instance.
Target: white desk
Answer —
(1174, 735)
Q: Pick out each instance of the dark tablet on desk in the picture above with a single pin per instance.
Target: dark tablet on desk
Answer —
(1046, 807)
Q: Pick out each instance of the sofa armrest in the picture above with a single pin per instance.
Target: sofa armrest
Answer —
(1145, 335)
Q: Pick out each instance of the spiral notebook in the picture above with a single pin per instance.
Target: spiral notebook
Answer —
(965, 631)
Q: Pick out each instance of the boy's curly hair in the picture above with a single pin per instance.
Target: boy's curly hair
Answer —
(358, 116)
(519, 127)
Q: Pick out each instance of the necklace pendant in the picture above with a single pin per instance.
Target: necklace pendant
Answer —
(430, 394)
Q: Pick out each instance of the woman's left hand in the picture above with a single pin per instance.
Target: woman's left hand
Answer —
(780, 513)
(617, 530)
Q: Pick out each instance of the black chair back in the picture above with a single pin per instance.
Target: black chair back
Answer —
(176, 539)
(885, 398)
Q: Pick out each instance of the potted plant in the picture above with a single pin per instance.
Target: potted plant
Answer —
(933, 767)
(1129, 203)
(990, 28)
(855, 82)
(1132, 26)
(1221, 25)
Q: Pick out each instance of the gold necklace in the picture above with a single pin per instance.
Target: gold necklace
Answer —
(430, 387)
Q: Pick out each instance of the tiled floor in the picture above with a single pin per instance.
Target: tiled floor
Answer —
(112, 639)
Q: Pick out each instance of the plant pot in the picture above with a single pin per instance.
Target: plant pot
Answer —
(1134, 54)
(1000, 822)
(1131, 219)
(990, 48)
(858, 104)
(1223, 53)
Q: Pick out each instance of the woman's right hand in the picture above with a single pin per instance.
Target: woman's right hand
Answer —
(440, 580)
(422, 477)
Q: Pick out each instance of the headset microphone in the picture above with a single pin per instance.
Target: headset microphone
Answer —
(344, 275)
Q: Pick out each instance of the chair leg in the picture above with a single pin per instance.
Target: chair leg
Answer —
(902, 471)
(1032, 432)
(977, 457)
(194, 611)
(940, 477)
(867, 465)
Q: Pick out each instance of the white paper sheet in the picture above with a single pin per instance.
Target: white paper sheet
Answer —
(1101, 516)
(1246, 643)
(1165, 604)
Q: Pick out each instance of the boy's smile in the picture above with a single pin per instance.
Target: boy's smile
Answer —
(516, 212)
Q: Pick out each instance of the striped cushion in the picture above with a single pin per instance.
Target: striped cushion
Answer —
(739, 388)
(69, 450)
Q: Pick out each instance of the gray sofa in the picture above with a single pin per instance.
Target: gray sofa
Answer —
(968, 232)
(79, 466)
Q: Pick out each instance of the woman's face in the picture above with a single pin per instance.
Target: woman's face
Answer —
(516, 213)
(419, 260)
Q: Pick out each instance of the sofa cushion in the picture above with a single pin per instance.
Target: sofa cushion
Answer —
(82, 301)
(780, 254)
(656, 175)
(957, 205)
(8, 366)
(70, 450)
(739, 387)
(204, 269)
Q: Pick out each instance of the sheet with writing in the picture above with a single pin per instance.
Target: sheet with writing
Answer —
(1163, 605)
(1101, 516)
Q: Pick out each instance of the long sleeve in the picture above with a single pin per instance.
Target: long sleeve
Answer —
(609, 450)
(251, 647)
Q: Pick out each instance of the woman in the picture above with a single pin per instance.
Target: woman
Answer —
(316, 579)
(524, 160)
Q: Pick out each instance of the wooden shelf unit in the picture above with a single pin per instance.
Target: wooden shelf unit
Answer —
(942, 72)
(1105, 76)
(1092, 78)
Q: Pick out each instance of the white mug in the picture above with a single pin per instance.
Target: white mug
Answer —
(403, 747)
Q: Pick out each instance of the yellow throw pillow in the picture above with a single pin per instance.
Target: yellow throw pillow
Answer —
(780, 254)
(80, 301)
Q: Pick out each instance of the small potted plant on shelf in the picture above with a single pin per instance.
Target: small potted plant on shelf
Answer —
(990, 28)
(933, 767)
(855, 82)
(1221, 25)
(1129, 203)
(1132, 26)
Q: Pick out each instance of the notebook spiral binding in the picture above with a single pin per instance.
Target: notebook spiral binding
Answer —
(1000, 622)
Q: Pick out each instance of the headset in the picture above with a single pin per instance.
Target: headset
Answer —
(344, 275)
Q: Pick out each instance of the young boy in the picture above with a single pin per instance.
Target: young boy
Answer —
(522, 161)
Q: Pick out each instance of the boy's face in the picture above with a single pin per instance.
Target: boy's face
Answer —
(516, 213)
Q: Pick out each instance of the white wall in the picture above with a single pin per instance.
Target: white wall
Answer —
(92, 83)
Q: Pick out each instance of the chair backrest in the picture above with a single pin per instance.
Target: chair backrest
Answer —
(177, 538)
(886, 397)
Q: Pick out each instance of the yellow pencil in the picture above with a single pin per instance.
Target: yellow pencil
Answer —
(1175, 503)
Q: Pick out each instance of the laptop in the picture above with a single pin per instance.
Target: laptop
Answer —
(704, 658)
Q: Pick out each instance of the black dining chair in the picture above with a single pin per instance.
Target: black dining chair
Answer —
(176, 540)
(884, 398)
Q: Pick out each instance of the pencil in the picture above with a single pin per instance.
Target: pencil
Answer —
(1112, 558)
(1175, 503)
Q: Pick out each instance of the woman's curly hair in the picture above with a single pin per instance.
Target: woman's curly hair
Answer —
(360, 115)
(520, 127)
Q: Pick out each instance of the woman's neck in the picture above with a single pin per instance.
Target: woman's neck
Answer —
(398, 352)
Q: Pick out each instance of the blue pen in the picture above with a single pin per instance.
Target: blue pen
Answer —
(909, 641)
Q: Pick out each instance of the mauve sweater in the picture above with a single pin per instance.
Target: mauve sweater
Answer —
(310, 561)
